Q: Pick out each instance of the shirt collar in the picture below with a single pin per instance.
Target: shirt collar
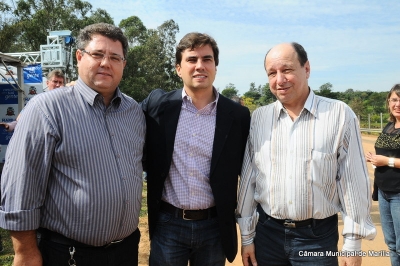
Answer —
(310, 105)
(211, 108)
(90, 95)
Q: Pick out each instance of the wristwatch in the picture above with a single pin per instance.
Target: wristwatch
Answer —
(391, 162)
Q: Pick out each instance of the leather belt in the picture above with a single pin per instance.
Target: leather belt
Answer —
(292, 223)
(52, 236)
(193, 215)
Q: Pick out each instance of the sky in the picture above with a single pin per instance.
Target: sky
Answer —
(350, 44)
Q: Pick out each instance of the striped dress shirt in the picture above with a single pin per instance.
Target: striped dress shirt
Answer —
(73, 166)
(188, 184)
(312, 167)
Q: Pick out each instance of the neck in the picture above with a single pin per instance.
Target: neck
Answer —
(202, 97)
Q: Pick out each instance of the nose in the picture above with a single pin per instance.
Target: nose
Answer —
(106, 60)
(199, 64)
(280, 78)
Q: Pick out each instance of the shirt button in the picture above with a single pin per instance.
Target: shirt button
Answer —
(290, 202)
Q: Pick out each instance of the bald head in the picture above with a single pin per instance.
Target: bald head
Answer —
(299, 50)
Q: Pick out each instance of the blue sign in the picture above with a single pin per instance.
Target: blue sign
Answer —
(33, 74)
(8, 95)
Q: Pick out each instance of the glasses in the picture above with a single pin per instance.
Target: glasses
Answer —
(394, 100)
(98, 56)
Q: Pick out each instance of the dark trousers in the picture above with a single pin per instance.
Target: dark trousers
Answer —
(311, 245)
(122, 254)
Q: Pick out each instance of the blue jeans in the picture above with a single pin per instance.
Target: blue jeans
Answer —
(389, 208)
(279, 245)
(177, 241)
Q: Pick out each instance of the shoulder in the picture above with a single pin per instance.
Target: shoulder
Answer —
(333, 105)
(158, 96)
(229, 105)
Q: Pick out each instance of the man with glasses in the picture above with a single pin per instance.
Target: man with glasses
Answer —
(74, 166)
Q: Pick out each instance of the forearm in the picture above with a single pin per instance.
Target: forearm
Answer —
(25, 248)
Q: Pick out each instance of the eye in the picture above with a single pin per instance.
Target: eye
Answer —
(286, 71)
(115, 58)
(97, 55)
(272, 74)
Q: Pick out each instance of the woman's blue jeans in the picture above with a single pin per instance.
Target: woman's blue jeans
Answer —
(389, 208)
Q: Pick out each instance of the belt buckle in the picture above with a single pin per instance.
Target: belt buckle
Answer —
(184, 214)
(289, 224)
(113, 242)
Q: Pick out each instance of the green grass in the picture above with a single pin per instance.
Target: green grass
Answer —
(7, 256)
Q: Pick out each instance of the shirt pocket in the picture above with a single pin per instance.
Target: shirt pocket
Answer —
(323, 170)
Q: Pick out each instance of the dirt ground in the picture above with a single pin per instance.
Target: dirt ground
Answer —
(376, 245)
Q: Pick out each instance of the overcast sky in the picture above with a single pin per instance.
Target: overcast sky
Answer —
(351, 44)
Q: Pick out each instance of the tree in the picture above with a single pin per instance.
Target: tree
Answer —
(8, 28)
(150, 60)
(325, 90)
(33, 19)
(357, 106)
(253, 93)
(249, 103)
(267, 96)
(230, 91)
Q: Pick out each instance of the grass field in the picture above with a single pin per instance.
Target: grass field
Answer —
(7, 256)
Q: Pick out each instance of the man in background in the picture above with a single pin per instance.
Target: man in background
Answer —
(55, 80)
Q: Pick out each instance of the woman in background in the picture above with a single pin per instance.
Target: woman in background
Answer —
(386, 161)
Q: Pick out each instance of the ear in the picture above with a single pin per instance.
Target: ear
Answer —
(178, 70)
(78, 55)
(308, 69)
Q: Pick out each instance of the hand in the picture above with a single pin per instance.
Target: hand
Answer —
(351, 261)
(5, 125)
(249, 255)
(377, 160)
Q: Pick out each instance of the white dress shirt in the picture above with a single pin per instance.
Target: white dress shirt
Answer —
(312, 167)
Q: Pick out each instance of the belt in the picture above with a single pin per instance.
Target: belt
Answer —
(52, 236)
(292, 223)
(194, 215)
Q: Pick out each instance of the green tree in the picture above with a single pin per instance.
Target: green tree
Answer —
(325, 90)
(230, 91)
(8, 28)
(267, 96)
(253, 93)
(33, 19)
(150, 60)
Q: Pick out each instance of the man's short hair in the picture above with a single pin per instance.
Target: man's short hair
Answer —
(110, 31)
(301, 53)
(194, 40)
(56, 73)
